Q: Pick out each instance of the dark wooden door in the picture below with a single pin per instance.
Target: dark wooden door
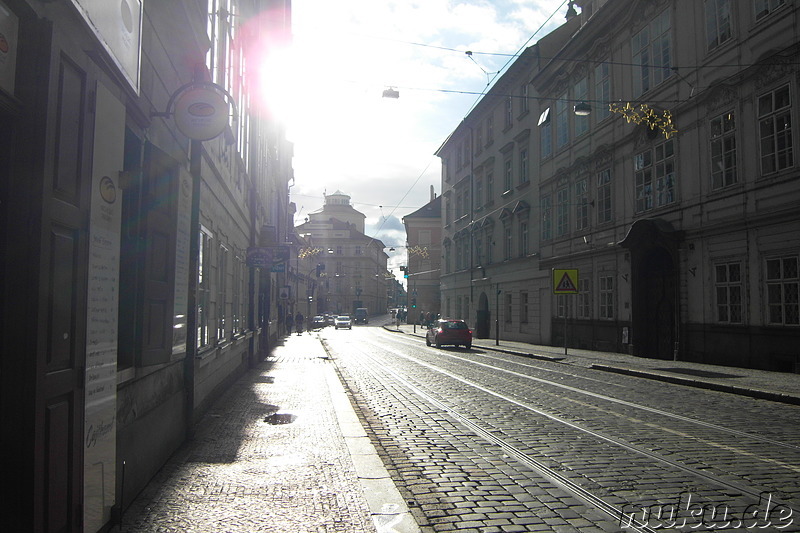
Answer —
(62, 303)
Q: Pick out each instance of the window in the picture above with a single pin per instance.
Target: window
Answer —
(581, 94)
(765, 7)
(489, 130)
(238, 289)
(523, 101)
(509, 309)
(546, 139)
(546, 208)
(604, 213)
(581, 204)
(723, 150)
(459, 260)
(222, 292)
(489, 249)
(783, 286)
(479, 192)
(602, 91)
(204, 289)
(523, 238)
(562, 212)
(339, 251)
(655, 168)
(478, 250)
(652, 52)
(523, 166)
(775, 130)
(523, 307)
(665, 173)
(584, 298)
(508, 175)
(606, 297)
(561, 305)
(728, 290)
(359, 251)
(643, 167)
(507, 243)
(718, 22)
(562, 121)
(509, 119)
(478, 138)
(490, 187)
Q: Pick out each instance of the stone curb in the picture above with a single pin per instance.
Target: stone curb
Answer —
(720, 387)
(386, 505)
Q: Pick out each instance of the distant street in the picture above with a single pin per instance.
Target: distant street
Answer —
(486, 441)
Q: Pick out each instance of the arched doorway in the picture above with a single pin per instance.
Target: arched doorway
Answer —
(653, 245)
(483, 317)
(655, 304)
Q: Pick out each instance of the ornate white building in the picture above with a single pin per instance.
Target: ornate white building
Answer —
(674, 197)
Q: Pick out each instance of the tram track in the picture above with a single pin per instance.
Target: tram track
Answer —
(611, 399)
(423, 391)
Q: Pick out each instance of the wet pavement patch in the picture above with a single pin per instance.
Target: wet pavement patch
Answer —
(699, 373)
(278, 418)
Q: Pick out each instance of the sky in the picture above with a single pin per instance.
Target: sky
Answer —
(381, 151)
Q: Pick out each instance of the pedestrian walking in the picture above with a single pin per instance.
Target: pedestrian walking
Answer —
(289, 323)
(298, 322)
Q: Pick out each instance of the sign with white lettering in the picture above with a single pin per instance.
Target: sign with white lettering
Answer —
(100, 410)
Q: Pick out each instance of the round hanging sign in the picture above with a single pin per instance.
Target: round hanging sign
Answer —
(201, 113)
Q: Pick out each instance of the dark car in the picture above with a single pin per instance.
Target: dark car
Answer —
(318, 322)
(449, 331)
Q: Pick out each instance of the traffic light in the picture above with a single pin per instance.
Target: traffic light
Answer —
(413, 303)
(404, 269)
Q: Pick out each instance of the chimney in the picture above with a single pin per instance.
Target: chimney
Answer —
(433, 195)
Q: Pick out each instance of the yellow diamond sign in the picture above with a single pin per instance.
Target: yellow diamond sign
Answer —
(565, 281)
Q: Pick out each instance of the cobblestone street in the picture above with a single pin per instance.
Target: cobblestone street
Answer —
(275, 453)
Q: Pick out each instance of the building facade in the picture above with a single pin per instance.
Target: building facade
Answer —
(136, 171)
(423, 267)
(672, 198)
(351, 266)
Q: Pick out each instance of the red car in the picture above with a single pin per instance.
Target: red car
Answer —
(449, 331)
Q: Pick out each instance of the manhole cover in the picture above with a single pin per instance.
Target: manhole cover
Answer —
(699, 373)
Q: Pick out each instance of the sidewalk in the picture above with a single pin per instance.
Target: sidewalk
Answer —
(281, 451)
(774, 386)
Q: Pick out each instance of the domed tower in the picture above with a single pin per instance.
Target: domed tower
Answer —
(337, 205)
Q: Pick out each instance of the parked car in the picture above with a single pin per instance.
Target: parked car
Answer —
(449, 331)
(318, 322)
(343, 321)
(330, 319)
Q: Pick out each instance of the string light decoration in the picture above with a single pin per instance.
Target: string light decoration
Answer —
(308, 252)
(421, 251)
(647, 115)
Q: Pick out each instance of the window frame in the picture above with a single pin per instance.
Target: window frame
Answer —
(728, 287)
(775, 134)
(783, 282)
(724, 167)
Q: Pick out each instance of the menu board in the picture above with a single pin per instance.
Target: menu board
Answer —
(100, 429)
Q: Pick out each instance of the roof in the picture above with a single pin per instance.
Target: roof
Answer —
(432, 209)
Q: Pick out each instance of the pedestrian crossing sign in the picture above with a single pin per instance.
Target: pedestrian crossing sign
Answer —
(565, 281)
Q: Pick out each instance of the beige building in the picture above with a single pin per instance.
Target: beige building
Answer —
(353, 272)
(674, 198)
(424, 258)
